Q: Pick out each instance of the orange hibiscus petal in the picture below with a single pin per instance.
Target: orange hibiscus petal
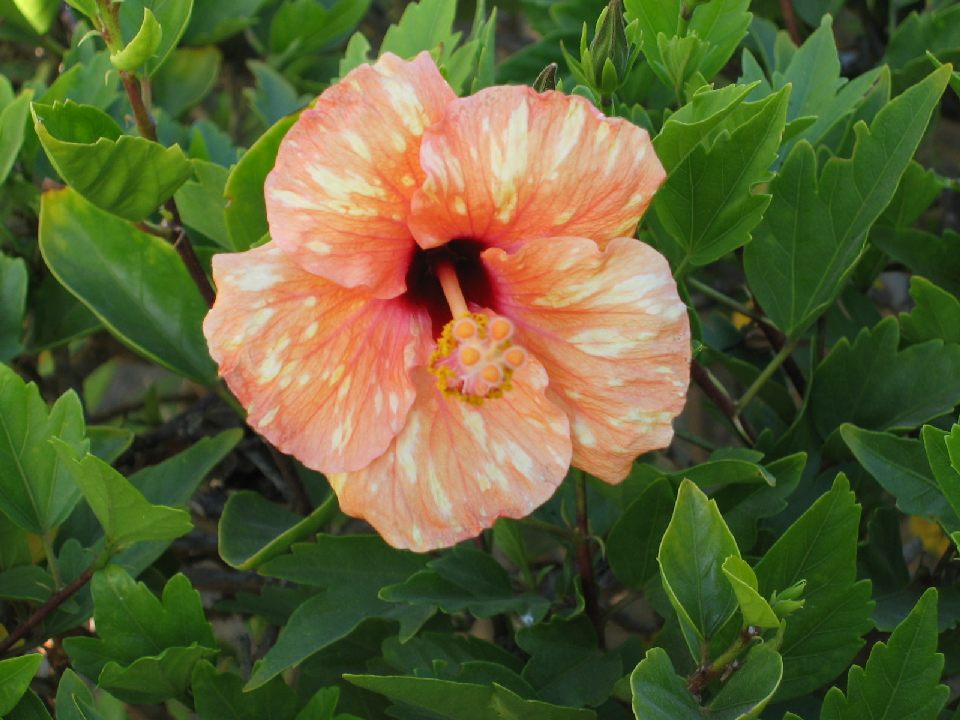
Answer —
(611, 332)
(339, 195)
(457, 467)
(324, 371)
(510, 164)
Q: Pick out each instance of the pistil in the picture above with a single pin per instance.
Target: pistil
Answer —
(475, 357)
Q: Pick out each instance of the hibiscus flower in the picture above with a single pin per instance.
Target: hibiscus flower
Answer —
(452, 307)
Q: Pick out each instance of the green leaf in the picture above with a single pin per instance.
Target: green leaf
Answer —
(654, 18)
(827, 632)
(356, 54)
(756, 610)
(722, 24)
(749, 689)
(902, 676)
(13, 124)
(659, 693)
(173, 16)
(694, 546)
(133, 623)
(173, 482)
(13, 300)
(39, 13)
(935, 257)
(900, 466)
(634, 540)
(125, 175)
(15, 676)
(424, 25)
(685, 129)
(87, 7)
(154, 679)
(14, 549)
(58, 317)
(352, 569)
(815, 228)
(246, 211)
(952, 442)
(873, 385)
(202, 204)
(565, 665)
(926, 32)
(143, 45)
(213, 20)
(935, 316)
(36, 490)
(253, 530)
(186, 79)
(72, 696)
(464, 701)
(744, 506)
(126, 516)
(140, 291)
(94, 82)
(707, 206)
(26, 582)
(108, 442)
(832, 122)
(274, 97)
(813, 72)
(30, 707)
(301, 27)
(917, 190)
(465, 579)
(220, 696)
(716, 474)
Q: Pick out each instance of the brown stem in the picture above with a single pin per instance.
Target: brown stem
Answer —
(777, 339)
(585, 559)
(41, 613)
(181, 242)
(184, 248)
(790, 18)
(145, 123)
(725, 664)
(713, 390)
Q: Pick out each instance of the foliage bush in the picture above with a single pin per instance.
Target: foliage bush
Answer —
(790, 555)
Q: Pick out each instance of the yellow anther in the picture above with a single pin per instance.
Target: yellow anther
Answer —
(515, 357)
(464, 329)
(501, 329)
(491, 374)
(469, 355)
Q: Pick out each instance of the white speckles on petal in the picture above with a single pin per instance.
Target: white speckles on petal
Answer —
(583, 433)
(257, 279)
(269, 417)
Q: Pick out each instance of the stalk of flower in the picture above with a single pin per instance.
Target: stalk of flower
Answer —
(452, 307)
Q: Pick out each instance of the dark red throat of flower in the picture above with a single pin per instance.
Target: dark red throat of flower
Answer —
(475, 355)
(423, 281)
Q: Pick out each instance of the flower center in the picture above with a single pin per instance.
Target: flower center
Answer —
(475, 357)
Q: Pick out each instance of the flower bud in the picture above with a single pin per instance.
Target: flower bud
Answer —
(547, 79)
(788, 601)
(610, 46)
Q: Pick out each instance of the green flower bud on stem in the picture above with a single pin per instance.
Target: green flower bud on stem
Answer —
(788, 601)
(547, 79)
(610, 45)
